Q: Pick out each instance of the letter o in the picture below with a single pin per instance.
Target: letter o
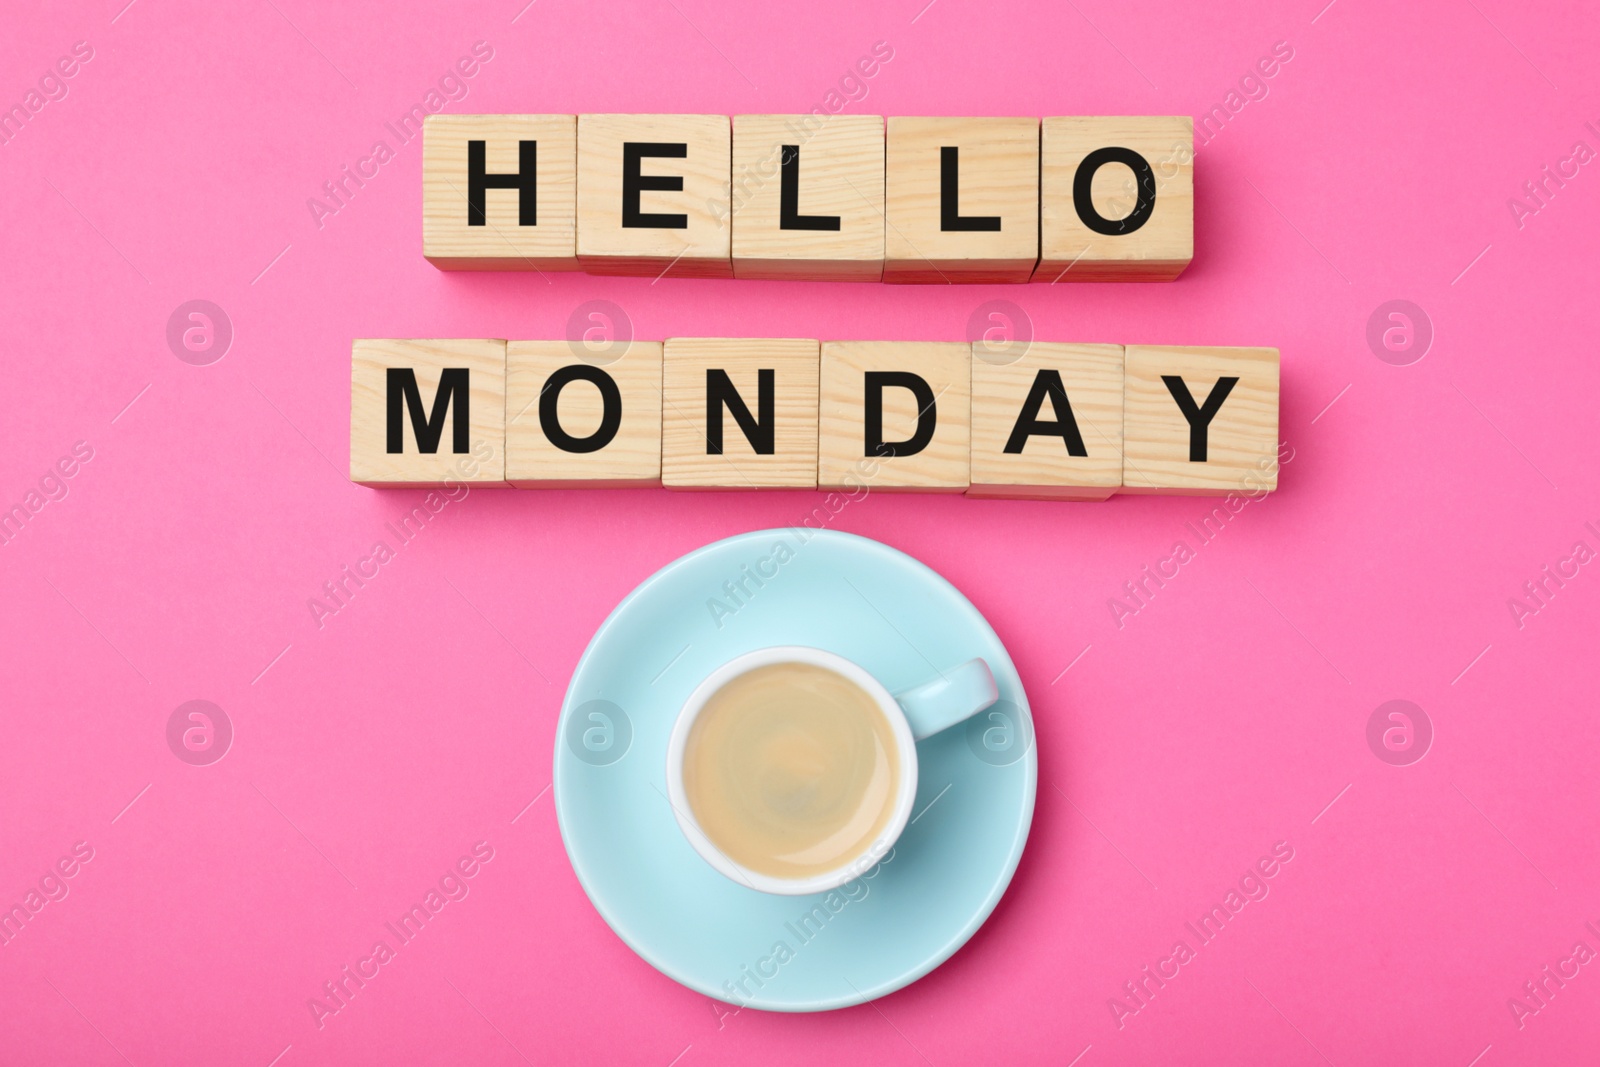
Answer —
(1083, 192)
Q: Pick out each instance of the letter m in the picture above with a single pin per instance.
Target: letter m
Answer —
(454, 386)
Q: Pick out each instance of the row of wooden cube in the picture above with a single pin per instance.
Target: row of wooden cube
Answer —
(1047, 421)
(821, 197)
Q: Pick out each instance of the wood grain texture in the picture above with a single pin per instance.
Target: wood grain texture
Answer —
(1241, 439)
(1158, 249)
(701, 249)
(502, 243)
(840, 167)
(633, 455)
(1045, 469)
(843, 458)
(686, 462)
(999, 176)
(481, 463)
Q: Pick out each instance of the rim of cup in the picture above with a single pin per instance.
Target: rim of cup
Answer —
(905, 794)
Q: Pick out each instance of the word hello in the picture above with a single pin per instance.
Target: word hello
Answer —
(1252, 887)
(52, 886)
(1051, 421)
(453, 885)
(818, 196)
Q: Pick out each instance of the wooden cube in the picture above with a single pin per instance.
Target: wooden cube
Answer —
(653, 195)
(425, 413)
(1116, 199)
(962, 200)
(894, 415)
(808, 197)
(575, 420)
(1200, 421)
(739, 413)
(499, 192)
(1047, 425)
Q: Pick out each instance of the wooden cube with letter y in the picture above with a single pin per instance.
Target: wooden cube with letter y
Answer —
(583, 418)
(1116, 199)
(1047, 423)
(894, 415)
(499, 192)
(962, 200)
(1200, 421)
(653, 195)
(738, 413)
(425, 413)
(808, 197)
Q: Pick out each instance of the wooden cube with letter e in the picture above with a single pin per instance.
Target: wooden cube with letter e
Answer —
(581, 416)
(739, 413)
(427, 412)
(499, 192)
(1200, 421)
(1116, 199)
(653, 195)
(1047, 421)
(962, 200)
(894, 415)
(808, 197)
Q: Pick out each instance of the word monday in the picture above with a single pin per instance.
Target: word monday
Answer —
(813, 196)
(1043, 420)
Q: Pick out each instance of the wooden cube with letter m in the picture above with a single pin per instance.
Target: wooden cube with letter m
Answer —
(427, 413)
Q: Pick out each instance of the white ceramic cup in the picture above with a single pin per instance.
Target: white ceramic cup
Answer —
(913, 714)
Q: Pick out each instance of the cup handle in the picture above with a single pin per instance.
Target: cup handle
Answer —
(954, 696)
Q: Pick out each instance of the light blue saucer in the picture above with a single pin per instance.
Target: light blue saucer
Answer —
(862, 600)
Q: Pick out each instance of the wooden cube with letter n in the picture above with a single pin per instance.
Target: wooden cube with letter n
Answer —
(1117, 199)
(653, 195)
(808, 197)
(962, 200)
(1200, 421)
(738, 413)
(499, 192)
(1047, 423)
(427, 412)
(583, 418)
(894, 415)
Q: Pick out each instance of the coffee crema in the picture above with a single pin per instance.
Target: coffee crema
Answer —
(791, 770)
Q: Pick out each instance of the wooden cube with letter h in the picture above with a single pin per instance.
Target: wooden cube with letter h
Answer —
(427, 413)
(739, 413)
(1200, 421)
(1117, 199)
(581, 416)
(653, 195)
(808, 197)
(962, 200)
(894, 415)
(1047, 421)
(499, 192)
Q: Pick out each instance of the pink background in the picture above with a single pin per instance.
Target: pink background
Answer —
(1223, 717)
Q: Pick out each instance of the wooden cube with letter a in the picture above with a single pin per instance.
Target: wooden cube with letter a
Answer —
(1200, 421)
(808, 197)
(738, 413)
(499, 192)
(962, 200)
(579, 417)
(1116, 199)
(894, 415)
(427, 412)
(1047, 424)
(653, 195)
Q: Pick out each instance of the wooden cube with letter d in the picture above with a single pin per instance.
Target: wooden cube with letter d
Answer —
(427, 412)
